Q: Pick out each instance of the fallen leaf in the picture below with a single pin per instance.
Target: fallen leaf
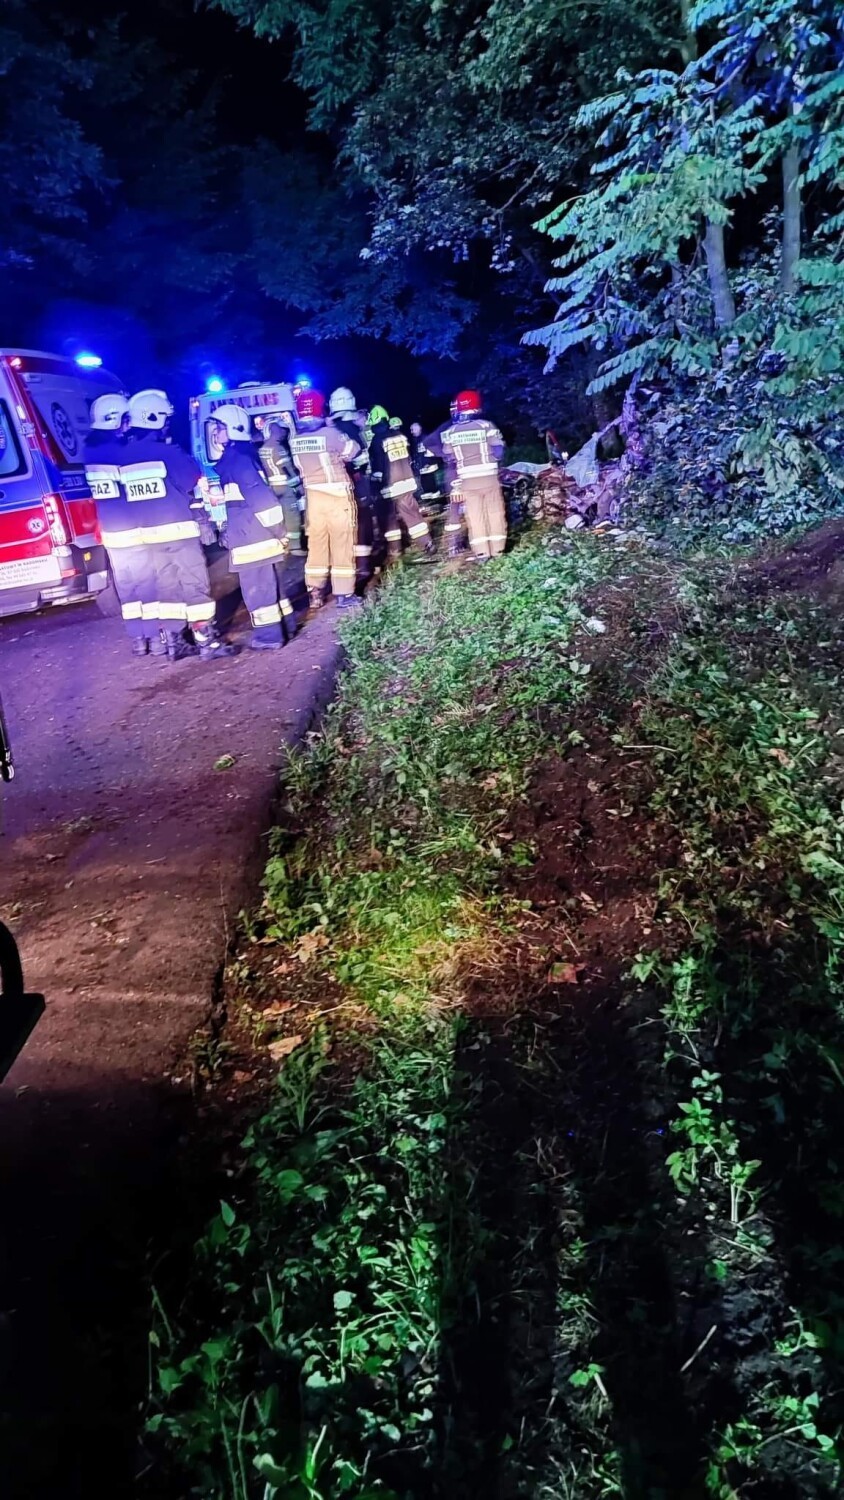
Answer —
(224, 763)
(310, 944)
(240, 1077)
(278, 1008)
(284, 1046)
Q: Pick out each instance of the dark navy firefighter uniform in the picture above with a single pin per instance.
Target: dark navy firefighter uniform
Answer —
(105, 453)
(171, 587)
(257, 541)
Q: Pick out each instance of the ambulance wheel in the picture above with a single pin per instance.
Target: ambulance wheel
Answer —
(108, 603)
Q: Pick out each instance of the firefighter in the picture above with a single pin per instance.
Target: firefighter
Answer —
(425, 464)
(472, 448)
(282, 473)
(321, 454)
(159, 480)
(454, 530)
(345, 416)
(105, 448)
(257, 537)
(389, 457)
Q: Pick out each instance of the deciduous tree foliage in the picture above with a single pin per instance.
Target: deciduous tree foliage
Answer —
(748, 128)
(452, 125)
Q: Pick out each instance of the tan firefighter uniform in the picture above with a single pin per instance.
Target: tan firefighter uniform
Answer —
(472, 449)
(321, 456)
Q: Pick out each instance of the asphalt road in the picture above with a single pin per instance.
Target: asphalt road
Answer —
(125, 861)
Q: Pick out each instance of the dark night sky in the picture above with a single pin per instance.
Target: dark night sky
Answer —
(256, 100)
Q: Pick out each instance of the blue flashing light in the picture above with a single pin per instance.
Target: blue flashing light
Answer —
(88, 361)
(214, 386)
(304, 382)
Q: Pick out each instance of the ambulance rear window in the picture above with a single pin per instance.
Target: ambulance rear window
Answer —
(12, 461)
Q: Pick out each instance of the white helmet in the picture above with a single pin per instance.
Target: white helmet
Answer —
(341, 400)
(235, 419)
(107, 412)
(150, 409)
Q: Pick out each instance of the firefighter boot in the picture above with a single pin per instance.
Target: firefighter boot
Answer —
(140, 645)
(177, 646)
(316, 599)
(267, 638)
(158, 644)
(211, 644)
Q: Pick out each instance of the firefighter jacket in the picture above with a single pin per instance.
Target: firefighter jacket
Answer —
(321, 457)
(159, 480)
(359, 465)
(104, 454)
(389, 456)
(472, 449)
(254, 516)
(424, 459)
(278, 466)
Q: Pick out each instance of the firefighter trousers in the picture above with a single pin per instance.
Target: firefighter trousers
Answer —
(404, 511)
(264, 595)
(162, 586)
(289, 500)
(332, 538)
(486, 520)
(183, 586)
(133, 576)
(365, 541)
(454, 531)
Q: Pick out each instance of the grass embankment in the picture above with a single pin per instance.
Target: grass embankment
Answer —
(547, 1201)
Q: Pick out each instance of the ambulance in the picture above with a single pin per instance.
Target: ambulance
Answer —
(263, 402)
(50, 549)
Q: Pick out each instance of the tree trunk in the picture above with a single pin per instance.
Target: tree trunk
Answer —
(688, 39)
(605, 403)
(790, 217)
(723, 302)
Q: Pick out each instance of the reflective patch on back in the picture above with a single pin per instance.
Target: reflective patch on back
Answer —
(146, 481)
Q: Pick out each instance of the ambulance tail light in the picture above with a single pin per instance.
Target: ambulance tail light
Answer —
(58, 529)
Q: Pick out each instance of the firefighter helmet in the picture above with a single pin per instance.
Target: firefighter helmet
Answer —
(377, 414)
(107, 412)
(468, 403)
(341, 400)
(150, 409)
(310, 405)
(235, 419)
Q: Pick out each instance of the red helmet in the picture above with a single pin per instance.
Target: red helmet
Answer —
(468, 403)
(310, 404)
